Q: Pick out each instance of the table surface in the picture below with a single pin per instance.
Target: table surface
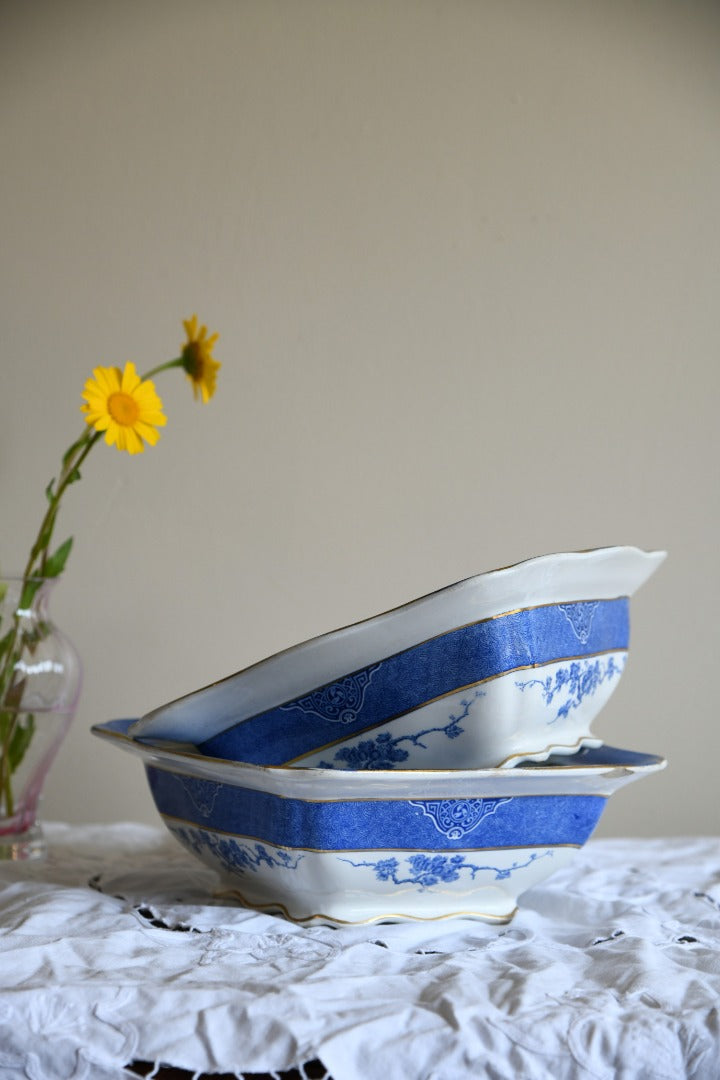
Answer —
(117, 960)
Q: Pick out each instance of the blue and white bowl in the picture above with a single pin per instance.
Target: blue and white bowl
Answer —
(509, 665)
(341, 847)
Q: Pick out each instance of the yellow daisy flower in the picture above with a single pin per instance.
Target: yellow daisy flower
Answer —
(197, 359)
(124, 406)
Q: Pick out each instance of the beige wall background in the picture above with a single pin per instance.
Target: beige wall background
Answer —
(463, 257)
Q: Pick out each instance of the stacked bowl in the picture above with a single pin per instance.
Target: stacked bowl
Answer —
(433, 761)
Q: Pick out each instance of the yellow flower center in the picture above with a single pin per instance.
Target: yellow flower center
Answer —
(123, 408)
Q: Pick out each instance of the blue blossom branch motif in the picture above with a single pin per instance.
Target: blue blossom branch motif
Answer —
(425, 871)
(578, 680)
(232, 854)
(385, 752)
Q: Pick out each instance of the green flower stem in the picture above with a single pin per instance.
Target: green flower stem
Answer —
(7, 804)
(71, 463)
(36, 567)
(8, 722)
(177, 362)
(41, 564)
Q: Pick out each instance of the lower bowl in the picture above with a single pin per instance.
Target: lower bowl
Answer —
(339, 847)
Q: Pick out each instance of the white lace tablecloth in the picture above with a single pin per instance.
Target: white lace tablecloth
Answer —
(113, 952)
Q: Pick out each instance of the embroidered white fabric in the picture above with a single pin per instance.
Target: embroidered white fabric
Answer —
(113, 951)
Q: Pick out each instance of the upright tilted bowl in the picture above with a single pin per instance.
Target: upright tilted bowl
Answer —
(351, 847)
(509, 665)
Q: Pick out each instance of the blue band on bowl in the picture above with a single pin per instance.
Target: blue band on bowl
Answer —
(433, 669)
(376, 824)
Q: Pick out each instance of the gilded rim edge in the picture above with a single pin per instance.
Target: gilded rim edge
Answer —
(143, 749)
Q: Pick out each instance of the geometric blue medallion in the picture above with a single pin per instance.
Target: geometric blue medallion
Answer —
(455, 818)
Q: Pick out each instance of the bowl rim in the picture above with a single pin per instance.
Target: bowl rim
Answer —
(327, 785)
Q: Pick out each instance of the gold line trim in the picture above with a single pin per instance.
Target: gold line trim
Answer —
(440, 697)
(552, 748)
(142, 747)
(335, 851)
(272, 907)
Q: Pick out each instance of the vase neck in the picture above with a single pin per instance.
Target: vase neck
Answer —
(25, 597)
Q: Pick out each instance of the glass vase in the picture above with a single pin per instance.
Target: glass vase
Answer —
(40, 677)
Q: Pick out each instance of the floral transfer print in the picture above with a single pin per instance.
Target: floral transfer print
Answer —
(385, 751)
(425, 871)
(233, 855)
(577, 681)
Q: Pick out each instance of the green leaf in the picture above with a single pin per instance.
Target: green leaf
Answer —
(49, 494)
(20, 740)
(28, 594)
(5, 642)
(56, 563)
(75, 446)
(74, 476)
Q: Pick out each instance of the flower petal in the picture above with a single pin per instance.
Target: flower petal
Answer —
(125, 427)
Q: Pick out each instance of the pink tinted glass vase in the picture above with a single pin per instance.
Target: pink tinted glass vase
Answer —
(40, 678)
